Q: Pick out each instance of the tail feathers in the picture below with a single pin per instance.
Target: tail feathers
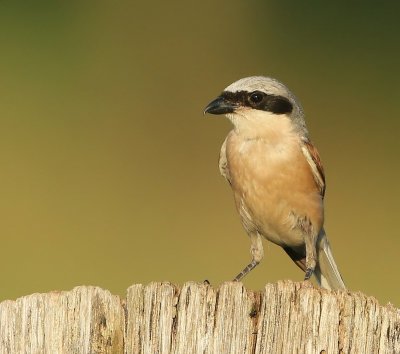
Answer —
(326, 272)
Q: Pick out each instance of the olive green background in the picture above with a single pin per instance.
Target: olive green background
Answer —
(108, 167)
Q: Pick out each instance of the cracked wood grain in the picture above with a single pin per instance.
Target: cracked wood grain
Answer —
(285, 317)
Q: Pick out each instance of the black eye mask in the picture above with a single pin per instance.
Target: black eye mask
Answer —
(258, 100)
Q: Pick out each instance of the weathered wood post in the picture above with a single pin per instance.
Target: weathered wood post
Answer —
(286, 317)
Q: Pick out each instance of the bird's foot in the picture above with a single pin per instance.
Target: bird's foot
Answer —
(309, 273)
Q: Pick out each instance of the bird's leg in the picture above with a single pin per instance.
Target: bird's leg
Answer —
(311, 255)
(257, 253)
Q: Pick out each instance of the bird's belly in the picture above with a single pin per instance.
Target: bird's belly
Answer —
(273, 193)
(273, 214)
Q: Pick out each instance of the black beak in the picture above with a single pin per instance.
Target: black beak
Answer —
(220, 106)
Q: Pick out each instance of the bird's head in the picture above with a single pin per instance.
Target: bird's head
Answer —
(258, 101)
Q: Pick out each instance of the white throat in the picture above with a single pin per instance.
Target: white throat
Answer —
(257, 124)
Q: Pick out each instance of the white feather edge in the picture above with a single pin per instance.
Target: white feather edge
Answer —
(317, 176)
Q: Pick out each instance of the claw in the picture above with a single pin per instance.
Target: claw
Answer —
(309, 273)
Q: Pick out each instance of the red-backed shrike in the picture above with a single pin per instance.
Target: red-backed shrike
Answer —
(276, 175)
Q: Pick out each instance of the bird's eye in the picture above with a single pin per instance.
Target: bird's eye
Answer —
(256, 97)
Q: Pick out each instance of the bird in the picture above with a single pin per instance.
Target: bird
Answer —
(276, 176)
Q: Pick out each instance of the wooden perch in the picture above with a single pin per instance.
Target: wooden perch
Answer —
(286, 317)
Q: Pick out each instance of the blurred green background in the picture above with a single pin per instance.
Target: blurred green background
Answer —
(109, 171)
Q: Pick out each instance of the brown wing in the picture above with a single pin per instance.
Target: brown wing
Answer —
(312, 156)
